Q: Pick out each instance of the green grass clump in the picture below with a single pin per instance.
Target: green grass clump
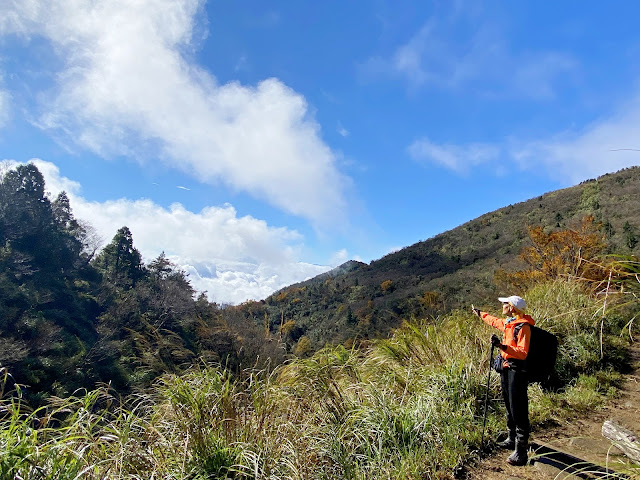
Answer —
(69, 440)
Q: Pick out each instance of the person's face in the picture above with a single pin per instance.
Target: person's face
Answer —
(507, 308)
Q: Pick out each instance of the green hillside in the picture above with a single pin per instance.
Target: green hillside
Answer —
(452, 269)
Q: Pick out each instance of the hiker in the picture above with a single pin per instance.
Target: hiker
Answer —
(513, 350)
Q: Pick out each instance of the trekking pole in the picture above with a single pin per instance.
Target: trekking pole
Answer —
(486, 397)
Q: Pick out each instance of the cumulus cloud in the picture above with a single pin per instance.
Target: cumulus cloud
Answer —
(232, 258)
(129, 86)
(339, 257)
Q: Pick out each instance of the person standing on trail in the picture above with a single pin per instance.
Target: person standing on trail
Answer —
(514, 348)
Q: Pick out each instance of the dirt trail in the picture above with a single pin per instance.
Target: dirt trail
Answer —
(582, 438)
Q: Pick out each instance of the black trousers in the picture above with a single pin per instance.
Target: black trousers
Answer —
(514, 391)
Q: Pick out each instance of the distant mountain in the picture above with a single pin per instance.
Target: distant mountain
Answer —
(452, 269)
(343, 269)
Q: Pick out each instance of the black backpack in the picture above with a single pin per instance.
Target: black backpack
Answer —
(543, 351)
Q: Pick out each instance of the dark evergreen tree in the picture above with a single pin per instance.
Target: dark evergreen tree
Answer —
(120, 262)
(608, 229)
(630, 238)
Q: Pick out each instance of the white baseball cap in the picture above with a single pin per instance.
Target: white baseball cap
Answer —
(515, 301)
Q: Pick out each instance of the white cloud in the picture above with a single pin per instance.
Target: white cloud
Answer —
(537, 76)
(453, 51)
(4, 107)
(391, 250)
(605, 146)
(454, 157)
(339, 257)
(129, 87)
(232, 258)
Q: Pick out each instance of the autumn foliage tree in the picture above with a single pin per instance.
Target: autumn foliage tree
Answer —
(569, 253)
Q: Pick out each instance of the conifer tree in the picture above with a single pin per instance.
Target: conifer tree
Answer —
(120, 262)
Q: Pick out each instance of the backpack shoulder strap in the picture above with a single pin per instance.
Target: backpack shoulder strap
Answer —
(517, 328)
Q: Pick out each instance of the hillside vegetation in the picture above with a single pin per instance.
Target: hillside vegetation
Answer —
(456, 268)
(72, 315)
(409, 407)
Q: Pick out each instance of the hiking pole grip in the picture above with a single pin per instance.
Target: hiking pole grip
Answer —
(486, 396)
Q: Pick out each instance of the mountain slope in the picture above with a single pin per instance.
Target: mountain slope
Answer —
(452, 269)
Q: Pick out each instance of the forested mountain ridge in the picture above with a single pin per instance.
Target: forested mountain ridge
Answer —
(452, 269)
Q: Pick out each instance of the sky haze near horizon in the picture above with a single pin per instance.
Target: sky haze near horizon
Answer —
(261, 143)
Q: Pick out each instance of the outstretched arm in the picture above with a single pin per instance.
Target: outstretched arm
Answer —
(493, 321)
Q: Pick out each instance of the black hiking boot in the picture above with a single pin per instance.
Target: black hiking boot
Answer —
(508, 443)
(519, 456)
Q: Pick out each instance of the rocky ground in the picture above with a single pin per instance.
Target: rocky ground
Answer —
(579, 441)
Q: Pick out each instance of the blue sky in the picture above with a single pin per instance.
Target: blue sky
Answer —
(260, 143)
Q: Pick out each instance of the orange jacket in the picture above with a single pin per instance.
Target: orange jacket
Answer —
(516, 349)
